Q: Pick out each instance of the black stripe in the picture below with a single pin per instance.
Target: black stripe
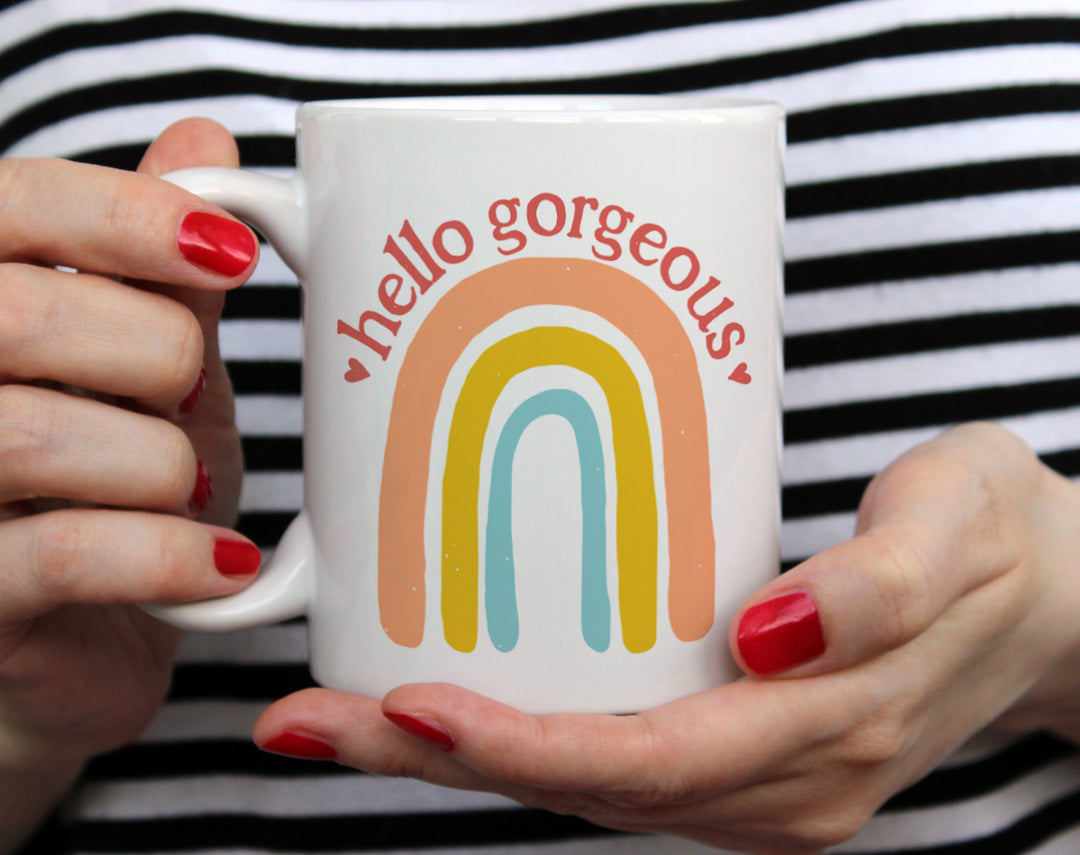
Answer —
(1023, 836)
(802, 501)
(256, 152)
(249, 681)
(779, 64)
(464, 829)
(919, 336)
(143, 760)
(265, 528)
(263, 302)
(907, 188)
(273, 453)
(824, 497)
(802, 126)
(938, 109)
(565, 30)
(266, 377)
(982, 776)
(944, 259)
(939, 408)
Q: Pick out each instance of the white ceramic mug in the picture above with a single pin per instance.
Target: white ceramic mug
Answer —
(541, 392)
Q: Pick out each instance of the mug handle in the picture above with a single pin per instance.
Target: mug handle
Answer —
(284, 586)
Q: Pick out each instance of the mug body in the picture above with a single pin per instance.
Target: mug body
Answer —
(541, 391)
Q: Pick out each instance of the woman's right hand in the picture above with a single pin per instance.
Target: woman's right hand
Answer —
(119, 456)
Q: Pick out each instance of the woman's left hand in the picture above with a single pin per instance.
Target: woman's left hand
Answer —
(955, 605)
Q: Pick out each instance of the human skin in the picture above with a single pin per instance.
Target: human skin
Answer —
(112, 393)
(953, 607)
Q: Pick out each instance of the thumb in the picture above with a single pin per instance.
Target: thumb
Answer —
(944, 519)
(188, 143)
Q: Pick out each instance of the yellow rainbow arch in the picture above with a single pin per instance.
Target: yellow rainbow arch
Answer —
(635, 515)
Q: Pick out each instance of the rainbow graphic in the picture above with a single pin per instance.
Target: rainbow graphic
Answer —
(465, 311)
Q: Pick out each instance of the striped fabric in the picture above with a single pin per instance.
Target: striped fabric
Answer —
(933, 276)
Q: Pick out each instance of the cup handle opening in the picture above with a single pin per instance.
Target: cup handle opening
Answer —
(283, 589)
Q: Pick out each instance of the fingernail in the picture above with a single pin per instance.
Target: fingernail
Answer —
(236, 557)
(297, 745)
(204, 490)
(196, 393)
(780, 633)
(423, 727)
(217, 243)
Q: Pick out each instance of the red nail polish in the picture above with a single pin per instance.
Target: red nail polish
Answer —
(203, 492)
(196, 393)
(236, 557)
(424, 728)
(217, 243)
(780, 633)
(297, 745)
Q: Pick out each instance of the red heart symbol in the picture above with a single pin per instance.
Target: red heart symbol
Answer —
(356, 372)
(739, 375)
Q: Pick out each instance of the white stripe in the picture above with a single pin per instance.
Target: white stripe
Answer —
(272, 492)
(21, 22)
(264, 645)
(1004, 214)
(933, 371)
(269, 415)
(804, 537)
(135, 125)
(865, 455)
(919, 299)
(179, 721)
(345, 794)
(936, 73)
(650, 51)
(261, 339)
(932, 146)
(955, 822)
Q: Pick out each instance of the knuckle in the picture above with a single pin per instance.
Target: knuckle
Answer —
(182, 346)
(170, 562)
(15, 183)
(177, 463)
(879, 741)
(903, 584)
(61, 550)
(826, 829)
(29, 313)
(27, 422)
(651, 791)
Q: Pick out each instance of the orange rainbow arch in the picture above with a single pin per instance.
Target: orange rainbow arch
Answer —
(466, 310)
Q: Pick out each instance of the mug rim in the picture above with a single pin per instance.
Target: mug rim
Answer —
(548, 107)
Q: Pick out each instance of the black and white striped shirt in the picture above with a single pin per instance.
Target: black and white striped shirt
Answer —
(933, 277)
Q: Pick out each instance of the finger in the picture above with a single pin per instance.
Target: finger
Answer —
(108, 221)
(109, 557)
(95, 333)
(940, 522)
(59, 446)
(692, 749)
(321, 724)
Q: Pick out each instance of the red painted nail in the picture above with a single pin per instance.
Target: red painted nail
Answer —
(423, 727)
(217, 243)
(236, 557)
(196, 393)
(780, 633)
(297, 745)
(203, 492)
